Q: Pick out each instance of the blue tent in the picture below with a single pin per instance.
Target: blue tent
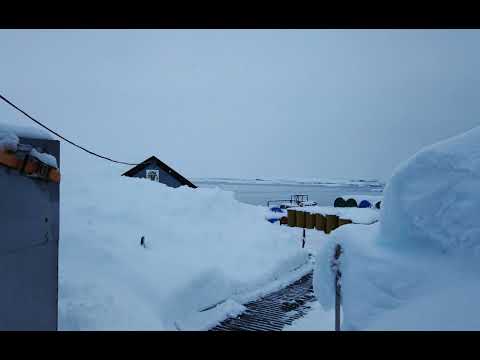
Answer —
(365, 204)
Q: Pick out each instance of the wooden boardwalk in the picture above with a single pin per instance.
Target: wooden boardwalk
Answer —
(273, 311)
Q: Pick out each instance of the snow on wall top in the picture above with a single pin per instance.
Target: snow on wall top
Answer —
(45, 158)
(32, 132)
(432, 199)
(8, 141)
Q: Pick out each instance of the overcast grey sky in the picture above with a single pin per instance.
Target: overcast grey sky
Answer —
(247, 103)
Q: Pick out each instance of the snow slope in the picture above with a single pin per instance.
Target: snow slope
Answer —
(203, 248)
(418, 268)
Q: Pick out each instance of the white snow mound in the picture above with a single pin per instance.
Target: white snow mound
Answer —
(432, 199)
(203, 248)
(417, 269)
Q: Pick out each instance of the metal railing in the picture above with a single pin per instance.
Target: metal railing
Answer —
(296, 199)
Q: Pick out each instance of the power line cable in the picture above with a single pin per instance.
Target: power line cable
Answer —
(60, 136)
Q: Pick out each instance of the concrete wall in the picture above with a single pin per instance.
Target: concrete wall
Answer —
(164, 177)
(29, 238)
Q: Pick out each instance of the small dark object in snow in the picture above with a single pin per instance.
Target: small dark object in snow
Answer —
(142, 241)
(378, 204)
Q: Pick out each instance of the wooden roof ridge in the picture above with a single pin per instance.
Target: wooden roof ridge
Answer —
(163, 166)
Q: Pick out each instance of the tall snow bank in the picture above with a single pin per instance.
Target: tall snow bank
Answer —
(417, 269)
(432, 199)
(203, 248)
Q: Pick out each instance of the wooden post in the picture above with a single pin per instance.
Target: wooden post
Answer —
(303, 240)
(319, 222)
(331, 223)
(292, 218)
(309, 220)
(300, 219)
(338, 297)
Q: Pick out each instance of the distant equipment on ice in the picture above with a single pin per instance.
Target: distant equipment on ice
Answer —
(295, 200)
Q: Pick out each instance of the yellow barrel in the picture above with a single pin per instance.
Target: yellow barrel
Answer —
(301, 219)
(331, 223)
(319, 222)
(292, 218)
(344, 222)
(309, 220)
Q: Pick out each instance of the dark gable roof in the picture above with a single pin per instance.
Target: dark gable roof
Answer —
(162, 166)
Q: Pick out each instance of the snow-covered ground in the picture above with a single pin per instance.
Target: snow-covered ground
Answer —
(417, 269)
(203, 248)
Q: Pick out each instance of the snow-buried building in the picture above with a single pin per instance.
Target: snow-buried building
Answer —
(156, 170)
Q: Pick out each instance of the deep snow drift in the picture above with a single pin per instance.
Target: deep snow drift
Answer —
(418, 267)
(432, 200)
(203, 248)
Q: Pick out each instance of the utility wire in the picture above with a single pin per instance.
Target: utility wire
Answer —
(60, 136)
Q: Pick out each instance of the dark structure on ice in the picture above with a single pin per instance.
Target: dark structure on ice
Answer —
(156, 170)
(339, 202)
(351, 203)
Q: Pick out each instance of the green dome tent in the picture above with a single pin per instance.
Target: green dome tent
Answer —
(339, 202)
(351, 203)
